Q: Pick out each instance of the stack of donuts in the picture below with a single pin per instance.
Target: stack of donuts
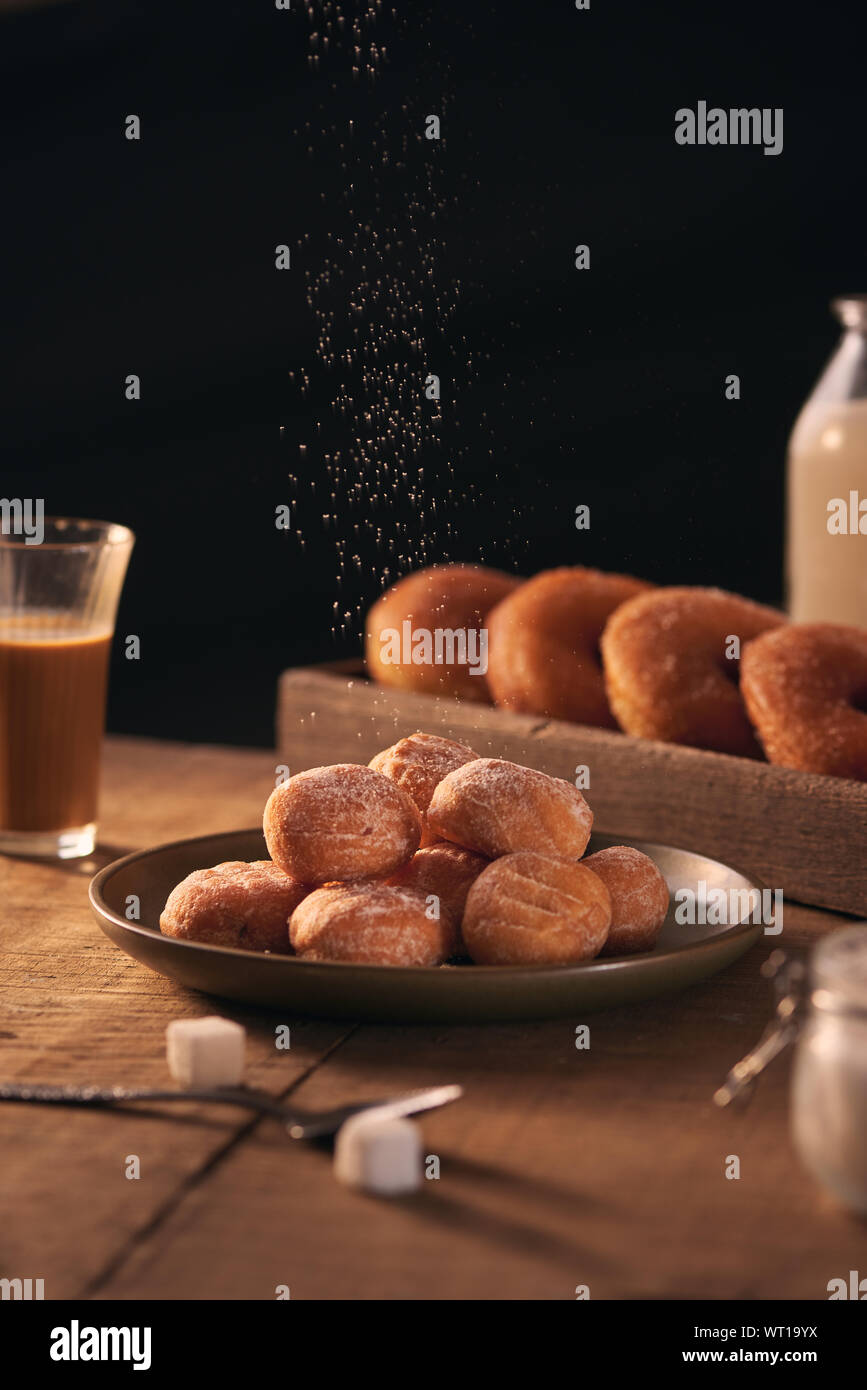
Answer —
(430, 854)
(690, 666)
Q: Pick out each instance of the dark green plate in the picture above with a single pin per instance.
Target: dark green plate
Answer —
(388, 994)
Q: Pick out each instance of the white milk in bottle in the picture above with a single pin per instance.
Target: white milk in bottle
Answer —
(826, 534)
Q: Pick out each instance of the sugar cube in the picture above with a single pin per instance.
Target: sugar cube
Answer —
(205, 1051)
(379, 1155)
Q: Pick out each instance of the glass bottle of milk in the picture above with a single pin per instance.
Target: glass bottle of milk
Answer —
(826, 531)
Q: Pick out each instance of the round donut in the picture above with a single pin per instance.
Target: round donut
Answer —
(667, 673)
(805, 688)
(445, 872)
(449, 599)
(543, 644)
(234, 904)
(418, 764)
(369, 924)
(530, 909)
(496, 807)
(340, 822)
(639, 898)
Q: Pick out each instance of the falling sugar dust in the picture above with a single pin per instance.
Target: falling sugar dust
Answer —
(379, 476)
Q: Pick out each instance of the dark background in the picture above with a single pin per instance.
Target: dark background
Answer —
(604, 387)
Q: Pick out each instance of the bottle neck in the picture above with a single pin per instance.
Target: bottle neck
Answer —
(845, 376)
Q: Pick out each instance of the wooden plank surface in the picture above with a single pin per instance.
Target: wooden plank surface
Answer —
(75, 1010)
(560, 1167)
(604, 1168)
(803, 834)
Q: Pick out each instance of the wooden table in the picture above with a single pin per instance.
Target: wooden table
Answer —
(560, 1168)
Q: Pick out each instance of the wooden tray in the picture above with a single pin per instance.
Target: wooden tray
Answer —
(801, 833)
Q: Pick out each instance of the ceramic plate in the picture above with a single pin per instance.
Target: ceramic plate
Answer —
(382, 994)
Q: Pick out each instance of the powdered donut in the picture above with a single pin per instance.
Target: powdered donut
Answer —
(340, 822)
(543, 644)
(495, 807)
(530, 909)
(452, 600)
(234, 904)
(370, 924)
(639, 898)
(805, 688)
(418, 764)
(667, 673)
(447, 873)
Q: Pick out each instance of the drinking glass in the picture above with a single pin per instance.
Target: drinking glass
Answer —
(59, 589)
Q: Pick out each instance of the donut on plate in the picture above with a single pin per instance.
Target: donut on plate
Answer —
(418, 764)
(428, 631)
(805, 688)
(234, 904)
(369, 924)
(543, 644)
(446, 873)
(496, 807)
(340, 822)
(667, 671)
(639, 898)
(530, 909)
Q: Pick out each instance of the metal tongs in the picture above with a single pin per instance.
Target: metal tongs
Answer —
(787, 978)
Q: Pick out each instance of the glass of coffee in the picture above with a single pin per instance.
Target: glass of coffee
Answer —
(60, 582)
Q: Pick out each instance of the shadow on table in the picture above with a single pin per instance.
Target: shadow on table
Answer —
(85, 867)
(518, 1233)
(225, 1120)
(539, 1189)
